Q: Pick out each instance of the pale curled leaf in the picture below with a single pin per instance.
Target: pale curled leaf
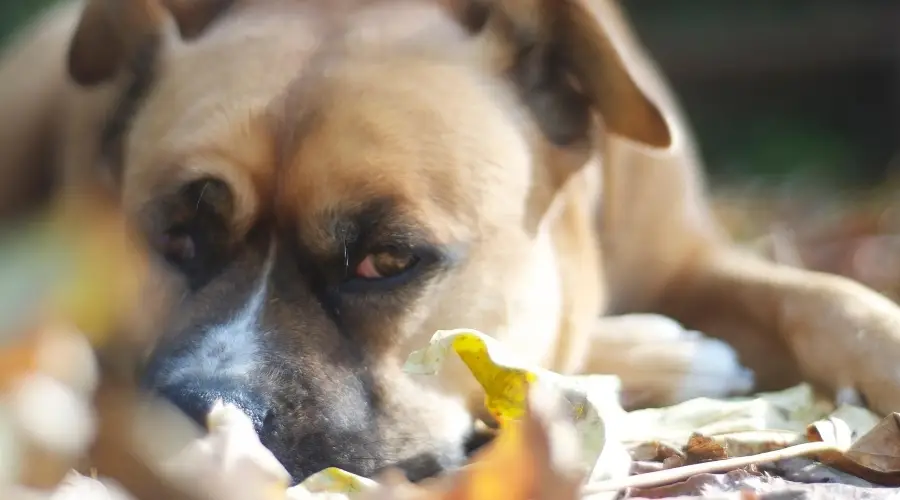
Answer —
(51, 415)
(46, 390)
(790, 410)
(73, 487)
(832, 430)
(593, 400)
(843, 427)
(229, 462)
(331, 483)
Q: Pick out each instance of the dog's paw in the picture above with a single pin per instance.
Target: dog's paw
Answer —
(846, 341)
(662, 363)
(715, 371)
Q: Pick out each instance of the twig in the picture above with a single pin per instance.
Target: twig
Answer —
(681, 473)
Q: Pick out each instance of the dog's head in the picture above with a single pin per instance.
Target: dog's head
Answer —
(329, 186)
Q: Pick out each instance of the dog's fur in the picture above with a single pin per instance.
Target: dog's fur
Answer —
(526, 154)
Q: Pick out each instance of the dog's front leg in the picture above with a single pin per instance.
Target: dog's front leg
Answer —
(661, 363)
(838, 333)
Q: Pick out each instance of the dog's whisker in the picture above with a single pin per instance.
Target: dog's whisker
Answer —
(200, 197)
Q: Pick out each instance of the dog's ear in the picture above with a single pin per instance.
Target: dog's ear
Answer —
(110, 32)
(568, 57)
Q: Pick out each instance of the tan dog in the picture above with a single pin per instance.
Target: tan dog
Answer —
(331, 182)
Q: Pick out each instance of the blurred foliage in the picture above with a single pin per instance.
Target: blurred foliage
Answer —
(14, 14)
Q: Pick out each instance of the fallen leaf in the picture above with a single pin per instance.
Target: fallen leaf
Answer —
(878, 452)
(699, 485)
(229, 462)
(741, 444)
(847, 424)
(673, 462)
(805, 470)
(393, 485)
(654, 450)
(593, 400)
(874, 456)
(700, 448)
(332, 481)
(832, 430)
(742, 485)
(643, 467)
(74, 487)
(533, 458)
(669, 476)
(787, 412)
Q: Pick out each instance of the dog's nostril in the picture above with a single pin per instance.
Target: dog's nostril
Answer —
(190, 403)
(268, 423)
(197, 399)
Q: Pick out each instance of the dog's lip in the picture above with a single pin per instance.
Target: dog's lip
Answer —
(417, 468)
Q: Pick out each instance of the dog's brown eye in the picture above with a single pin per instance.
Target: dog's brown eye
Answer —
(385, 264)
(177, 247)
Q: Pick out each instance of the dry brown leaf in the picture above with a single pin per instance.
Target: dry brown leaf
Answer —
(805, 470)
(654, 450)
(673, 462)
(740, 444)
(875, 456)
(669, 476)
(703, 449)
(878, 452)
(744, 485)
(697, 486)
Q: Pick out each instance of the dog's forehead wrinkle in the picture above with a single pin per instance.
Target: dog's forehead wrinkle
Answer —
(361, 148)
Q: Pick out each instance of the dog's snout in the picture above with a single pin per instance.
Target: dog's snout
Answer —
(196, 398)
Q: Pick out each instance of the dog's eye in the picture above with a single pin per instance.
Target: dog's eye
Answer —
(385, 264)
(193, 233)
(177, 247)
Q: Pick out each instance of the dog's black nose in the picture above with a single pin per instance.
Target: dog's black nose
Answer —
(197, 397)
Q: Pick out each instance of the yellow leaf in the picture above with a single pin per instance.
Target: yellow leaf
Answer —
(334, 480)
(506, 382)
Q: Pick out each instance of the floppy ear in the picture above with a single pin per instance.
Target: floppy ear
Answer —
(111, 32)
(569, 57)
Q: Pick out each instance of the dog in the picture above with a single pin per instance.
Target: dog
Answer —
(327, 183)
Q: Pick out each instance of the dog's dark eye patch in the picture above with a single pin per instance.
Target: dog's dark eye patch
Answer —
(378, 226)
(190, 228)
(381, 226)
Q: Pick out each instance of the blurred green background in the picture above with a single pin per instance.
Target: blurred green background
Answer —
(777, 90)
(784, 90)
